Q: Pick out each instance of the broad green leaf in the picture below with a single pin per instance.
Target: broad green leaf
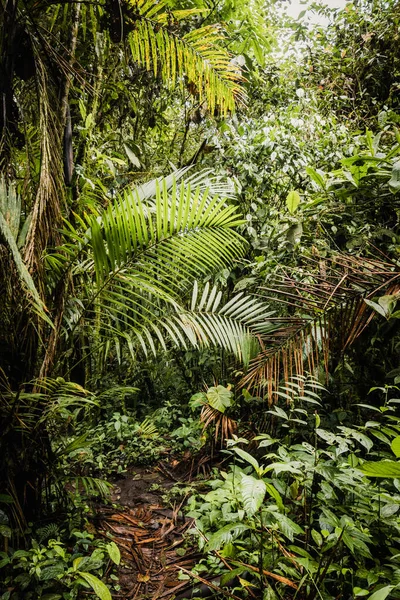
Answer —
(52, 572)
(247, 457)
(219, 397)
(253, 493)
(377, 307)
(113, 552)
(5, 531)
(395, 446)
(292, 201)
(288, 527)
(363, 440)
(225, 534)
(389, 509)
(394, 182)
(382, 593)
(197, 400)
(132, 157)
(317, 176)
(226, 578)
(388, 303)
(383, 468)
(317, 537)
(273, 492)
(99, 588)
(357, 591)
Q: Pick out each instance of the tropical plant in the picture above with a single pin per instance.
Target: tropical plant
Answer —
(45, 571)
(133, 264)
(290, 519)
(213, 405)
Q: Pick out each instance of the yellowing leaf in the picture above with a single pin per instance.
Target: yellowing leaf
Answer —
(293, 201)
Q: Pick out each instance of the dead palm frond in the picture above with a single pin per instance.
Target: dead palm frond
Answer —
(224, 425)
(328, 313)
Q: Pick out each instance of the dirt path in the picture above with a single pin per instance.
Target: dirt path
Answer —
(150, 536)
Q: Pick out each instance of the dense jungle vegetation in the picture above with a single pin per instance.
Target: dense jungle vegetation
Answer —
(199, 300)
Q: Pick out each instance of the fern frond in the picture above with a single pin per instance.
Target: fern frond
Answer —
(92, 487)
(50, 531)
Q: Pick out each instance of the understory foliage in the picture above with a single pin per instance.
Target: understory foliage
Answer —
(199, 270)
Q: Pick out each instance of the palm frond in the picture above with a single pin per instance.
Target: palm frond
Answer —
(144, 260)
(47, 207)
(235, 326)
(330, 314)
(196, 55)
(91, 487)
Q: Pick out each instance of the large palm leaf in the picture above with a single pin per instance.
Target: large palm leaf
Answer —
(140, 259)
(195, 55)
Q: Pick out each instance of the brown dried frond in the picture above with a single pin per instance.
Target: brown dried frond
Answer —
(225, 427)
(328, 314)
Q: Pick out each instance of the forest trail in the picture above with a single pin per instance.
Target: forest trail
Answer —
(150, 536)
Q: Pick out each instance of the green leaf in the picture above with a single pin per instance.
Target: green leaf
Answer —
(395, 446)
(377, 307)
(219, 398)
(382, 593)
(5, 531)
(247, 457)
(113, 552)
(253, 493)
(363, 440)
(52, 572)
(288, 527)
(197, 400)
(132, 157)
(273, 492)
(23, 272)
(389, 509)
(383, 468)
(388, 303)
(317, 537)
(226, 578)
(292, 201)
(99, 588)
(225, 535)
(317, 176)
(357, 591)
(6, 499)
(394, 182)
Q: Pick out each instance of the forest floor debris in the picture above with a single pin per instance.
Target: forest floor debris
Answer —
(150, 536)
